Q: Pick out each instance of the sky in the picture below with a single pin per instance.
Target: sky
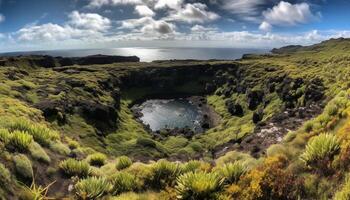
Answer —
(29, 25)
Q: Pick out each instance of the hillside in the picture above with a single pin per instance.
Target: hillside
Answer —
(68, 130)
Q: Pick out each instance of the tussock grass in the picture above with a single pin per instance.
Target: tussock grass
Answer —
(72, 167)
(92, 188)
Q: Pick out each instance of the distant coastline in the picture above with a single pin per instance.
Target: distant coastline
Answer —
(152, 54)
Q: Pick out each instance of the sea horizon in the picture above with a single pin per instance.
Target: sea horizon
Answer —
(149, 54)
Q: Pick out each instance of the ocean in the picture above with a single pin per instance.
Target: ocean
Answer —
(152, 54)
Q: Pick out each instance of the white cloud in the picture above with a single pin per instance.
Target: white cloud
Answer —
(192, 13)
(149, 26)
(84, 26)
(89, 21)
(144, 10)
(173, 4)
(265, 26)
(2, 18)
(100, 3)
(249, 10)
(287, 14)
(199, 28)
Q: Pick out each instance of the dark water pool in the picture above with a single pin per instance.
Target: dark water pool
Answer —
(170, 114)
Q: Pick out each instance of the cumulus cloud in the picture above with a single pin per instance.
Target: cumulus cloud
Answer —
(245, 9)
(148, 25)
(100, 3)
(173, 4)
(144, 10)
(193, 13)
(89, 21)
(287, 14)
(80, 25)
(265, 26)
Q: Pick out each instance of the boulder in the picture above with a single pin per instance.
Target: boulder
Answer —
(258, 116)
(234, 109)
(254, 99)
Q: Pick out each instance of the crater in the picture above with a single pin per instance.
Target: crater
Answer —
(176, 115)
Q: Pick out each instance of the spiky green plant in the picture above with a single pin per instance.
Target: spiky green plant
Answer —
(5, 136)
(97, 159)
(72, 167)
(92, 188)
(40, 133)
(123, 182)
(164, 173)
(191, 166)
(35, 192)
(198, 185)
(231, 172)
(344, 192)
(20, 140)
(123, 162)
(321, 148)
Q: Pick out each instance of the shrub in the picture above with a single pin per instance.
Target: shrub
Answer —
(20, 141)
(198, 185)
(23, 166)
(97, 159)
(123, 162)
(39, 153)
(320, 150)
(164, 173)
(92, 188)
(123, 182)
(72, 167)
(5, 136)
(72, 144)
(232, 172)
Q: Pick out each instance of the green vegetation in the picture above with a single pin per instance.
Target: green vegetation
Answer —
(92, 188)
(72, 167)
(123, 162)
(97, 159)
(198, 185)
(282, 129)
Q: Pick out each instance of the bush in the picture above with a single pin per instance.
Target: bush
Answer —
(72, 167)
(308, 126)
(23, 166)
(123, 162)
(92, 188)
(123, 182)
(320, 150)
(39, 153)
(97, 159)
(20, 141)
(232, 172)
(164, 173)
(198, 185)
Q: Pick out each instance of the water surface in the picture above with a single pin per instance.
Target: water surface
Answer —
(151, 54)
(170, 114)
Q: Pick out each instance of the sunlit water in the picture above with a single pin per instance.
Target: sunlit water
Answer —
(151, 54)
(170, 114)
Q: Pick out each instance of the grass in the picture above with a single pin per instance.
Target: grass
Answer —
(72, 167)
(232, 172)
(123, 182)
(38, 153)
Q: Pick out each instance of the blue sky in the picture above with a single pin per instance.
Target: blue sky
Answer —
(74, 24)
